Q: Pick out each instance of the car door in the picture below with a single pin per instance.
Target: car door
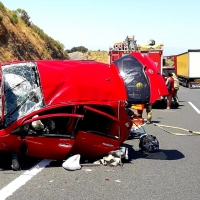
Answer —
(98, 134)
(49, 144)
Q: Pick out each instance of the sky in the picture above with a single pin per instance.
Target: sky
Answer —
(98, 24)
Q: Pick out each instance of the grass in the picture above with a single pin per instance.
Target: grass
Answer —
(100, 56)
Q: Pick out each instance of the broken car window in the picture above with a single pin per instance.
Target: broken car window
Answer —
(56, 126)
(50, 125)
(22, 90)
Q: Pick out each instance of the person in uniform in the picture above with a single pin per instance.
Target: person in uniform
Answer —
(176, 88)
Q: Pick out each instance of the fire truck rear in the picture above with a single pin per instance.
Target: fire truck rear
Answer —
(153, 51)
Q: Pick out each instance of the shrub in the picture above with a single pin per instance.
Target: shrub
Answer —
(1, 18)
(59, 45)
(68, 51)
(14, 18)
(2, 7)
(48, 39)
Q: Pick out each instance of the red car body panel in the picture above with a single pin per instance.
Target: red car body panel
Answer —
(73, 96)
(64, 81)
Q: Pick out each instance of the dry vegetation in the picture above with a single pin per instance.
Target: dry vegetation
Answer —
(100, 56)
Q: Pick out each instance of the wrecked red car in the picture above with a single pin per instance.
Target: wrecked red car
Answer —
(52, 108)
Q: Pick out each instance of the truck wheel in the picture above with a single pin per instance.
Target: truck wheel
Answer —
(186, 83)
(189, 86)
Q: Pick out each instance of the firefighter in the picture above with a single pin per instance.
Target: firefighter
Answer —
(147, 106)
(140, 108)
(176, 88)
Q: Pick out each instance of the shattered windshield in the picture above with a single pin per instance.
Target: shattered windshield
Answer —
(132, 72)
(22, 91)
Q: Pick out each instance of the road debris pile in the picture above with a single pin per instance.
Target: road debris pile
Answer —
(114, 158)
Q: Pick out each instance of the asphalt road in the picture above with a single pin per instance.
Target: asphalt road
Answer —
(172, 173)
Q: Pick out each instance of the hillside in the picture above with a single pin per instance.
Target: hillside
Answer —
(20, 39)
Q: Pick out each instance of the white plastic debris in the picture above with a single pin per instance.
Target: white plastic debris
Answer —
(72, 163)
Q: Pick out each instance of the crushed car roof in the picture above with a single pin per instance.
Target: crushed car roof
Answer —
(69, 80)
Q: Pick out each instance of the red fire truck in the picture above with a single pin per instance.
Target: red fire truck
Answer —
(129, 45)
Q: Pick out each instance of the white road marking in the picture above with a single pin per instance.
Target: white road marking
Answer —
(22, 179)
(195, 108)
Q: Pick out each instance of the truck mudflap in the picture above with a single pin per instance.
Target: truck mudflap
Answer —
(194, 85)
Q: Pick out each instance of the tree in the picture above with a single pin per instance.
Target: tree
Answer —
(68, 51)
(79, 48)
(24, 16)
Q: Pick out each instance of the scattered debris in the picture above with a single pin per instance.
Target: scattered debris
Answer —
(87, 170)
(114, 158)
(112, 169)
(96, 163)
(118, 181)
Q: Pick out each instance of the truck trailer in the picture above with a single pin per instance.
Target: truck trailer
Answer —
(188, 68)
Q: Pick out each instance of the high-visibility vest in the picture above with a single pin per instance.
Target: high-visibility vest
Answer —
(138, 106)
(176, 82)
